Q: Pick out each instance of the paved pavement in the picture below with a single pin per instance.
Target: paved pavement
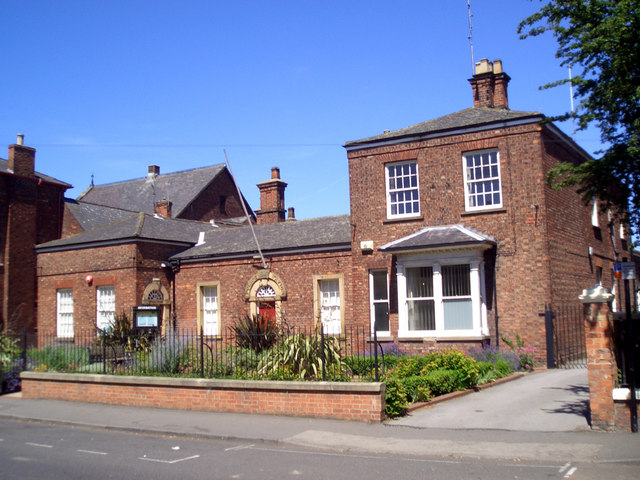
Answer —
(544, 401)
(539, 417)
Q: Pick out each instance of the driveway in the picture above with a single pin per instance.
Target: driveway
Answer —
(544, 401)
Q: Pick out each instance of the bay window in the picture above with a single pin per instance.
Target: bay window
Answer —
(441, 297)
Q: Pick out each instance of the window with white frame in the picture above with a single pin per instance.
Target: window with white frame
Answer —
(64, 310)
(209, 310)
(482, 184)
(403, 197)
(441, 297)
(379, 298)
(328, 296)
(106, 307)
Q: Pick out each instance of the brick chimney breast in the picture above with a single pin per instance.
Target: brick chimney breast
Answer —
(21, 159)
(489, 85)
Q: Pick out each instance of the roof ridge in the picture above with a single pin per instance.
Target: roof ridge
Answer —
(137, 179)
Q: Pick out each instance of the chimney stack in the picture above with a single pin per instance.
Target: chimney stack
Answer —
(291, 216)
(489, 85)
(21, 159)
(153, 172)
(163, 207)
(271, 199)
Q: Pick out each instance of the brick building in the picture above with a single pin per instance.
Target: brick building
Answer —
(453, 238)
(458, 233)
(31, 206)
(116, 240)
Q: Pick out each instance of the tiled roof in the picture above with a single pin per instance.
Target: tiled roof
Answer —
(464, 119)
(318, 234)
(137, 226)
(140, 195)
(90, 216)
(4, 168)
(439, 237)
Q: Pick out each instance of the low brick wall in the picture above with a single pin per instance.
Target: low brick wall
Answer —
(346, 401)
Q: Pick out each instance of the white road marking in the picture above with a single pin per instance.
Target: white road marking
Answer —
(157, 460)
(41, 445)
(571, 471)
(564, 468)
(92, 452)
(239, 447)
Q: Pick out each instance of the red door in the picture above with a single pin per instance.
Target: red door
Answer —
(267, 310)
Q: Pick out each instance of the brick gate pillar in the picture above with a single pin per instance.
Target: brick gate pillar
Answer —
(601, 361)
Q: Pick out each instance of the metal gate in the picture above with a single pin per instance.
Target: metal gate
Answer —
(566, 342)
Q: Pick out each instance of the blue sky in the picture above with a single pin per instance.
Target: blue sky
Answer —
(110, 87)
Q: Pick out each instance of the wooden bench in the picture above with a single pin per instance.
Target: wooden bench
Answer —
(112, 353)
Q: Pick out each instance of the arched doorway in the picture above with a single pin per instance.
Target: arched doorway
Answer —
(266, 293)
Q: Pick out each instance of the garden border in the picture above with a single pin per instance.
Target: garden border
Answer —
(357, 401)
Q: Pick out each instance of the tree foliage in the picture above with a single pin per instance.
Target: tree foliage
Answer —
(600, 40)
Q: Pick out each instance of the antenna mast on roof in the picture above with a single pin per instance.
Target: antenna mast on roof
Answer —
(244, 207)
(473, 63)
(573, 119)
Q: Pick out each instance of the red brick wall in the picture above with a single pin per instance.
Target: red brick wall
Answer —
(295, 271)
(130, 268)
(571, 234)
(218, 200)
(363, 402)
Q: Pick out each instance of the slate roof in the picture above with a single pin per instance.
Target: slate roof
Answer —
(478, 117)
(4, 168)
(135, 227)
(90, 216)
(140, 195)
(316, 234)
(439, 237)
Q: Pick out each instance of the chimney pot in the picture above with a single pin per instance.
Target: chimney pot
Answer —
(275, 172)
(290, 214)
(20, 140)
(154, 171)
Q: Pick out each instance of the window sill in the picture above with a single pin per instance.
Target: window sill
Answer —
(437, 339)
(483, 212)
(403, 219)
(381, 339)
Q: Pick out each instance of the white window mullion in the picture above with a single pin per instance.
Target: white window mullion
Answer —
(476, 303)
(437, 296)
(403, 308)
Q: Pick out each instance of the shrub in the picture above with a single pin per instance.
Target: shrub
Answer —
(169, 355)
(416, 388)
(59, 358)
(255, 332)
(9, 351)
(442, 381)
(491, 353)
(303, 354)
(411, 366)
(525, 354)
(451, 359)
(395, 396)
